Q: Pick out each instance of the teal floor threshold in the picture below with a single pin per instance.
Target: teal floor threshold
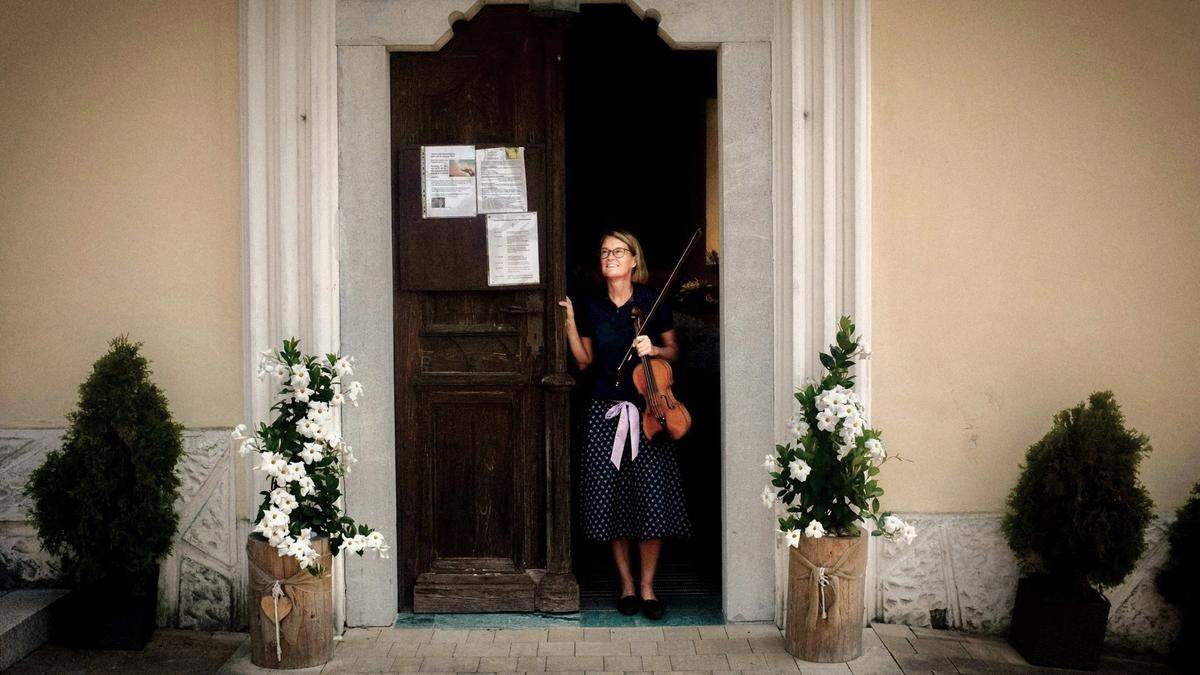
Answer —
(694, 611)
(681, 612)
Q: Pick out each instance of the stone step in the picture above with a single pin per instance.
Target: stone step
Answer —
(25, 622)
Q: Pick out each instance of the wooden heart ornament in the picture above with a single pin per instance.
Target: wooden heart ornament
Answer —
(268, 606)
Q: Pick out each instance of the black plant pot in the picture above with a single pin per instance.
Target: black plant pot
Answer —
(1057, 623)
(111, 614)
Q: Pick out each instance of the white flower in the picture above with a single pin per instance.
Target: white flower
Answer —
(353, 391)
(799, 469)
(337, 398)
(771, 463)
(281, 371)
(300, 381)
(891, 524)
(345, 457)
(909, 533)
(842, 410)
(354, 544)
(307, 428)
(266, 363)
(273, 517)
(250, 445)
(294, 472)
(276, 535)
(849, 436)
(238, 433)
(343, 367)
(814, 530)
(333, 438)
(875, 448)
(312, 452)
(307, 486)
(272, 463)
(375, 542)
(303, 394)
(318, 411)
(827, 420)
(283, 500)
(797, 426)
(792, 537)
(768, 496)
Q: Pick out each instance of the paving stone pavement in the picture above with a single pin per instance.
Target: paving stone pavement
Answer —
(732, 648)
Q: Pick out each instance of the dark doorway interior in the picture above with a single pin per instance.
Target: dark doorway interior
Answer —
(640, 146)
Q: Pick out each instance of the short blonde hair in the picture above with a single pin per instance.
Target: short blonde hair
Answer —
(640, 274)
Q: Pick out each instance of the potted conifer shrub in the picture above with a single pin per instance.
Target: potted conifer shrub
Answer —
(1177, 579)
(1076, 520)
(104, 504)
(825, 477)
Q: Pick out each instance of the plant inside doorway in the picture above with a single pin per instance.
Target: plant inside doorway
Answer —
(104, 504)
(824, 476)
(1076, 520)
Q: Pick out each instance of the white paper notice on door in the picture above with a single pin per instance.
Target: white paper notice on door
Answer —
(501, 180)
(448, 181)
(512, 244)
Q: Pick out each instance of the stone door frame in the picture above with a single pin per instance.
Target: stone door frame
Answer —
(793, 97)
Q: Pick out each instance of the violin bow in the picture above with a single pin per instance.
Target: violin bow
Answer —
(645, 320)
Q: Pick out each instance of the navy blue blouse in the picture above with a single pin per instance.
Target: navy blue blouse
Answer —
(611, 330)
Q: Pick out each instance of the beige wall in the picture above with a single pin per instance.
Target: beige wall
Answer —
(119, 198)
(1036, 235)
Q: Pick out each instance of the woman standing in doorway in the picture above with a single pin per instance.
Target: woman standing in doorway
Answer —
(630, 487)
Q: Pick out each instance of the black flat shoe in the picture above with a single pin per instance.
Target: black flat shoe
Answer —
(629, 605)
(653, 609)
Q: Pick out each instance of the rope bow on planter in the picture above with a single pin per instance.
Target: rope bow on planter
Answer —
(276, 598)
(823, 581)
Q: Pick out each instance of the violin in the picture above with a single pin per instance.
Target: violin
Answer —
(653, 378)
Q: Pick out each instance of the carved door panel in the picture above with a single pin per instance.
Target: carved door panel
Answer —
(478, 368)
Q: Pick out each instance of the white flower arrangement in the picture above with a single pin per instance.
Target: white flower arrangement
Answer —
(824, 475)
(305, 457)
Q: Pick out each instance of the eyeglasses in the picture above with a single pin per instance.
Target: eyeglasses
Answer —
(617, 253)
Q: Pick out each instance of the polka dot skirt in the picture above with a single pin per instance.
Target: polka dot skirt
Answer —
(642, 500)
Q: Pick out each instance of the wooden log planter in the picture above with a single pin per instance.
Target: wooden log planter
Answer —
(826, 582)
(303, 636)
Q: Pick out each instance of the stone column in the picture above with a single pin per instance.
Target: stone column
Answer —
(289, 201)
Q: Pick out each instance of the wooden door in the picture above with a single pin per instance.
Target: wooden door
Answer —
(483, 468)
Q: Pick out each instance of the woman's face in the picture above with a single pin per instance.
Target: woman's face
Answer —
(612, 266)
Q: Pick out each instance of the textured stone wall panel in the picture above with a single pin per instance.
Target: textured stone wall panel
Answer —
(205, 597)
(21, 451)
(912, 578)
(985, 571)
(961, 563)
(197, 579)
(1139, 617)
(21, 554)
